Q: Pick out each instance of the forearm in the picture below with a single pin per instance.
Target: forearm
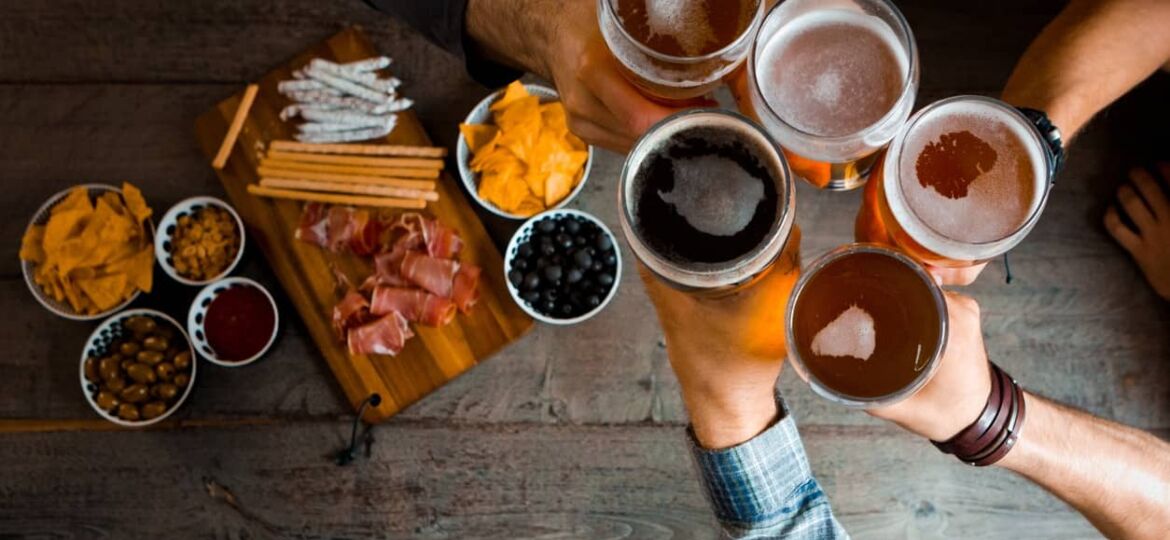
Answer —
(1117, 476)
(515, 33)
(1091, 54)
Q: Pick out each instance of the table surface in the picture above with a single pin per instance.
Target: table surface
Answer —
(571, 432)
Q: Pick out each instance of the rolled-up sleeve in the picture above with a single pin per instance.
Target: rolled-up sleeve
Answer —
(443, 22)
(764, 487)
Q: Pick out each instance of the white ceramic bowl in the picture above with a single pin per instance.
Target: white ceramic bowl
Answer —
(482, 114)
(170, 220)
(63, 309)
(198, 312)
(107, 332)
(524, 232)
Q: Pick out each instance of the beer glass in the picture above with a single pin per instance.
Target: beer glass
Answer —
(677, 51)
(866, 326)
(963, 182)
(707, 203)
(832, 81)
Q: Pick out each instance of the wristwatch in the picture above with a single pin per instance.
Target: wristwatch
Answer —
(1051, 135)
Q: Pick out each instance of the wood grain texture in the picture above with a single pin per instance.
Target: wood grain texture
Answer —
(435, 355)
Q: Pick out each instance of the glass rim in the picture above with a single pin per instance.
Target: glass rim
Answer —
(757, 20)
(910, 82)
(898, 145)
(828, 392)
(780, 231)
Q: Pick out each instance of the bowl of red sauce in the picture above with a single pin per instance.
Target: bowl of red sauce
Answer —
(233, 322)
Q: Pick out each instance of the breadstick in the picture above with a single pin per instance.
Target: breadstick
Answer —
(345, 178)
(418, 163)
(354, 200)
(355, 189)
(365, 149)
(233, 133)
(353, 170)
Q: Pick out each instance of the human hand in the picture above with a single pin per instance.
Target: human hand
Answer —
(958, 276)
(727, 351)
(958, 392)
(1150, 243)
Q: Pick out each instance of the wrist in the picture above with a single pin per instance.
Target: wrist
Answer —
(722, 421)
(517, 34)
(1025, 457)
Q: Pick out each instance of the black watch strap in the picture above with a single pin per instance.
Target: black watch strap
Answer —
(1051, 135)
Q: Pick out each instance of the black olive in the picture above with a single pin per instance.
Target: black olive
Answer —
(552, 273)
(520, 264)
(531, 281)
(541, 263)
(549, 295)
(525, 250)
(547, 249)
(548, 306)
(605, 279)
(610, 259)
(530, 296)
(597, 266)
(603, 242)
(546, 225)
(593, 301)
(516, 277)
(582, 259)
(586, 284)
(564, 240)
(566, 310)
(558, 259)
(572, 226)
(580, 240)
(573, 276)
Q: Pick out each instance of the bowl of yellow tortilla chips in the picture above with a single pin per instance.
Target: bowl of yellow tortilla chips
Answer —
(516, 154)
(89, 251)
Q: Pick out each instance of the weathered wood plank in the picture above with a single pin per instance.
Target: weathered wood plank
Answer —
(428, 480)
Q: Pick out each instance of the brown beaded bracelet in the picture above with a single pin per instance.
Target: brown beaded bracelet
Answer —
(989, 438)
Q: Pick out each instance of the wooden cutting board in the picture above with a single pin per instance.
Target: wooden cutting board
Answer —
(435, 355)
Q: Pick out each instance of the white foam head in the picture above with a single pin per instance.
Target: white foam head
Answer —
(850, 335)
(714, 194)
(684, 20)
(970, 219)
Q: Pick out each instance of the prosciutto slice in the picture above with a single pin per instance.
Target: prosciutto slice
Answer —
(414, 305)
(313, 226)
(465, 289)
(434, 275)
(386, 335)
(351, 311)
(442, 242)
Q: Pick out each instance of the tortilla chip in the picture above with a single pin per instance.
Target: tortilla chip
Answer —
(77, 199)
(514, 92)
(105, 292)
(135, 203)
(557, 187)
(479, 136)
(32, 247)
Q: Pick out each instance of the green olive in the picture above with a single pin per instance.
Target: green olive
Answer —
(181, 380)
(182, 360)
(141, 324)
(165, 332)
(149, 357)
(108, 368)
(129, 348)
(142, 373)
(153, 409)
(117, 384)
(128, 412)
(164, 391)
(106, 400)
(91, 370)
(165, 371)
(135, 393)
(126, 363)
(156, 343)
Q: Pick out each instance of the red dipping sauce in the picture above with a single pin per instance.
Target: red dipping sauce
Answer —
(239, 323)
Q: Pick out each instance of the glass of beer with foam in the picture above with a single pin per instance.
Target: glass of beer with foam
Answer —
(832, 81)
(707, 203)
(963, 182)
(677, 50)
(866, 326)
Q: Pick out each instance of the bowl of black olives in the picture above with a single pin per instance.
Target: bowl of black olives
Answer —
(562, 266)
(137, 368)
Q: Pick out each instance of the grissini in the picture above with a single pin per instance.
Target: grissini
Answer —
(354, 200)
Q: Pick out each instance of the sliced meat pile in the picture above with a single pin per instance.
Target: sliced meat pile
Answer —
(417, 276)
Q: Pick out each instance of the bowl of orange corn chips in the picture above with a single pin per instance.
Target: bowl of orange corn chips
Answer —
(516, 154)
(89, 251)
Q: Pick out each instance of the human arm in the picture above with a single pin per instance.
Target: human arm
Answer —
(1088, 56)
(1116, 476)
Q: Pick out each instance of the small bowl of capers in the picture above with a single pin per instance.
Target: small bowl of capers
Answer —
(137, 368)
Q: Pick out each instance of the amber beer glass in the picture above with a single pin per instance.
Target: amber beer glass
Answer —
(832, 81)
(866, 326)
(677, 50)
(963, 182)
(706, 203)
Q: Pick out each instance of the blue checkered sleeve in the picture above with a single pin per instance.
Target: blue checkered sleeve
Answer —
(764, 487)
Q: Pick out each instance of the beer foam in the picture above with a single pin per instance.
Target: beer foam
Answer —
(832, 72)
(997, 202)
(851, 334)
(684, 20)
(714, 194)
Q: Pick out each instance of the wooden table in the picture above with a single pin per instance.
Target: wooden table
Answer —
(569, 433)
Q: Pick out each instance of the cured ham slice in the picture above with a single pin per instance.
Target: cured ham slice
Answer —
(351, 311)
(387, 335)
(465, 289)
(434, 275)
(442, 241)
(313, 226)
(365, 233)
(414, 305)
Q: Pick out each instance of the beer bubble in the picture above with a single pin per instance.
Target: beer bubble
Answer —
(851, 334)
(684, 20)
(714, 194)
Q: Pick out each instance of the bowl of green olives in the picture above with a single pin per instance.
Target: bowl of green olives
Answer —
(137, 368)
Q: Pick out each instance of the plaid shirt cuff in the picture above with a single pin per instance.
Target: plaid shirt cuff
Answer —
(766, 485)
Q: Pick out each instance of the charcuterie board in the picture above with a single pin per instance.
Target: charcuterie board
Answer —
(436, 355)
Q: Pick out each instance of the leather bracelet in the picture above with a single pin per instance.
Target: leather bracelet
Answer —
(1013, 434)
(993, 434)
(982, 424)
(1003, 410)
